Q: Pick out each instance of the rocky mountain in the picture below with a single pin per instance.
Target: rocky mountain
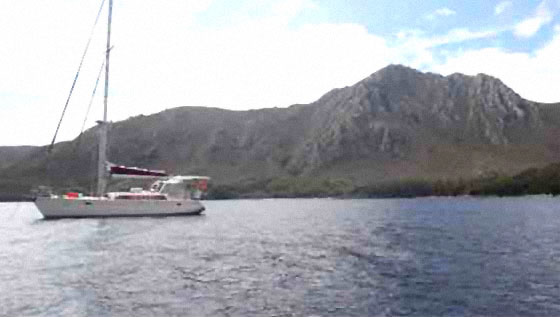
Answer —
(397, 123)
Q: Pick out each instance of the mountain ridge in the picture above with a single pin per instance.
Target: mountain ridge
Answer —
(396, 123)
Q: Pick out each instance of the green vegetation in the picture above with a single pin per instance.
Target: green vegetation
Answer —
(533, 181)
(283, 187)
(295, 187)
(529, 182)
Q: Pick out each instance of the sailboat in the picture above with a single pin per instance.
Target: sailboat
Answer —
(168, 196)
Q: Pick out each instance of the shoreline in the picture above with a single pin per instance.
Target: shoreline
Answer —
(343, 197)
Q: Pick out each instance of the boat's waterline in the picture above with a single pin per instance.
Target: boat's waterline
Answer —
(84, 208)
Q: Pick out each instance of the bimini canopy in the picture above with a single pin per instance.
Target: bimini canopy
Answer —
(120, 171)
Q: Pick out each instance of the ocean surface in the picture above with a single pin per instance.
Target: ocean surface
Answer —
(289, 257)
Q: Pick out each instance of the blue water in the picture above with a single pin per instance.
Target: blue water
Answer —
(311, 257)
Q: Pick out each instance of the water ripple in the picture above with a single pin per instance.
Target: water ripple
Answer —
(412, 257)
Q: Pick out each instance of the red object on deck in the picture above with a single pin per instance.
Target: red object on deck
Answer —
(72, 195)
(203, 184)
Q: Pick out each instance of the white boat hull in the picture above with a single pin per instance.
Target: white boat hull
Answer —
(85, 208)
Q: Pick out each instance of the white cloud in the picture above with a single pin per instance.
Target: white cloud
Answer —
(254, 62)
(289, 9)
(416, 48)
(534, 76)
(501, 7)
(271, 11)
(259, 62)
(460, 35)
(444, 12)
(530, 26)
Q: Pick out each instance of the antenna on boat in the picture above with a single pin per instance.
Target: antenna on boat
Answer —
(102, 158)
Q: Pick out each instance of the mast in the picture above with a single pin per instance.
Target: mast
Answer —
(101, 170)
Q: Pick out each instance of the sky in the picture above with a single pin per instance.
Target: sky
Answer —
(250, 54)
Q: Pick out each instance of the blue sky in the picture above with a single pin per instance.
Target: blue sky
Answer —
(387, 18)
(249, 54)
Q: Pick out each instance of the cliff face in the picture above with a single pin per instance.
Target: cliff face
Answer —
(396, 123)
(399, 113)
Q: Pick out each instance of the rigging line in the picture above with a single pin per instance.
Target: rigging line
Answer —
(92, 95)
(76, 77)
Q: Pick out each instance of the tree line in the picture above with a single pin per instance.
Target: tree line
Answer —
(532, 181)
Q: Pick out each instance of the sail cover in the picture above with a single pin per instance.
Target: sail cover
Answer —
(133, 172)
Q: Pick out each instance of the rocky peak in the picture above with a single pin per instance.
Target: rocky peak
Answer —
(391, 111)
(394, 75)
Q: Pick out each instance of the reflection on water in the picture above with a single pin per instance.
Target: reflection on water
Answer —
(419, 257)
